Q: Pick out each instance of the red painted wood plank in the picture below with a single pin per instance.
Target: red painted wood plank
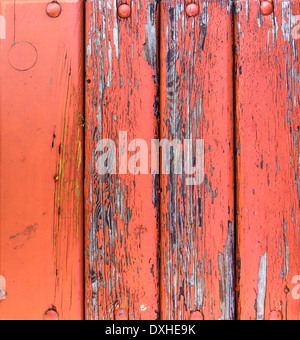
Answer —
(197, 222)
(268, 160)
(41, 177)
(121, 209)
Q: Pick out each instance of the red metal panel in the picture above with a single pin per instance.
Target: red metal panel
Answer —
(41, 104)
(197, 231)
(121, 209)
(268, 160)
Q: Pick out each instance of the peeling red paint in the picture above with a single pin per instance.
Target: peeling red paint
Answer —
(121, 210)
(196, 96)
(268, 159)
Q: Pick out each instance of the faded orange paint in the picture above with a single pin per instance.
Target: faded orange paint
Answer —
(267, 129)
(155, 248)
(41, 172)
(197, 222)
(121, 209)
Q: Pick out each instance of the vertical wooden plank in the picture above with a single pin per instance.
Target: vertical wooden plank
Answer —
(268, 117)
(197, 222)
(41, 177)
(121, 209)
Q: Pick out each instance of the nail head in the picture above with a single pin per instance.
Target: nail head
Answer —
(51, 315)
(275, 316)
(54, 9)
(196, 316)
(124, 11)
(192, 10)
(266, 7)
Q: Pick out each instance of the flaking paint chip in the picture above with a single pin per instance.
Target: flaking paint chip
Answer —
(2, 288)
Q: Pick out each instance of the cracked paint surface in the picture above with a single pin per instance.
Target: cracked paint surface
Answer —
(267, 75)
(196, 102)
(121, 210)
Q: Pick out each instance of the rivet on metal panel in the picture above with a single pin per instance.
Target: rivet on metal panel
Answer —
(266, 7)
(121, 314)
(196, 316)
(275, 316)
(54, 9)
(124, 11)
(2, 288)
(51, 315)
(192, 10)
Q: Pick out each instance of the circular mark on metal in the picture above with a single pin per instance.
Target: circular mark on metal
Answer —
(22, 56)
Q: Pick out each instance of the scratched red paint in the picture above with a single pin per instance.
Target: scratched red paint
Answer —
(121, 209)
(41, 215)
(268, 159)
(196, 97)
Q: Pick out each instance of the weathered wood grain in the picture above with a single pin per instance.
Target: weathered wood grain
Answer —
(197, 222)
(268, 159)
(41, 172)
(121, 209)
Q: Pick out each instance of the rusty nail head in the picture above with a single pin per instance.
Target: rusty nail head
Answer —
(196, 316)
(266, 7)
(54, 9)
(275, 316)
(51, 315)
(192, 10)
(124, 11)
(121, 314)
